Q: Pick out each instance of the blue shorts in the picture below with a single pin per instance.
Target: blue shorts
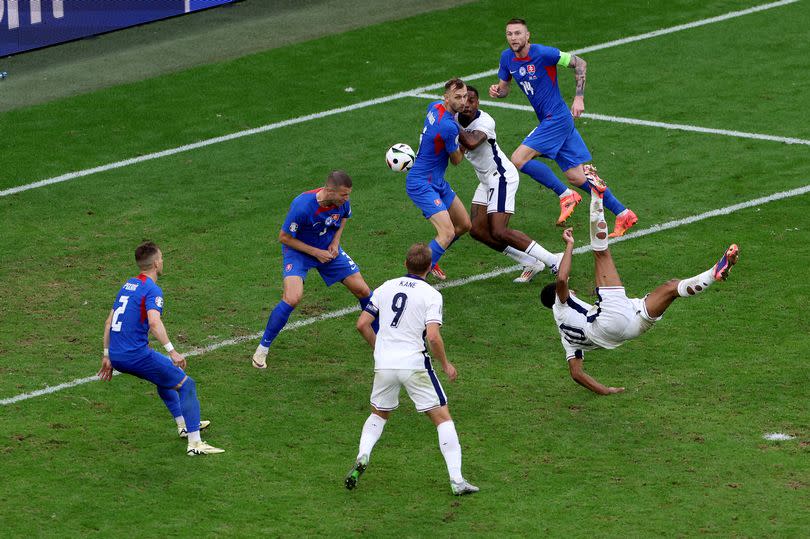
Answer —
(430, 196)
(151, 366)
(296, 263)
(559, 140)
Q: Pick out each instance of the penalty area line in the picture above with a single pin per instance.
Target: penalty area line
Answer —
(448, 284)
(647, 123)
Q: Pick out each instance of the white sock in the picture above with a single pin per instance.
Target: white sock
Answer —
(372, 430)
(697, 284)
(181, 422)
(566, 193)
(262, 349)
(536, 250)
(599, 232)
(194, 437)
(519, 256)
(451, 449)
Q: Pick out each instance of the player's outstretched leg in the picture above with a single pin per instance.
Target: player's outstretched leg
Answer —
(372, 430)
(598, 225)
(293, 291)
(625, 217)
(662, 297)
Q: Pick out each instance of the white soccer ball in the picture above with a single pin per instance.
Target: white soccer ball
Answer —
(400, 157)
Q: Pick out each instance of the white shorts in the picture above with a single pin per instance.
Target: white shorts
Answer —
(497, 193)
(423, 388)
(618, 318)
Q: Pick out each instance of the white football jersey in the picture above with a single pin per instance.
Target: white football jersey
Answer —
(405, 306)
(572, 318)
(488, 156)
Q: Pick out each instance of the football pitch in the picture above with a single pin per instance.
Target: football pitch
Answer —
(696, 115)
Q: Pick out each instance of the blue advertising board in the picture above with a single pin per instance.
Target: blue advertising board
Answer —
(30, 24)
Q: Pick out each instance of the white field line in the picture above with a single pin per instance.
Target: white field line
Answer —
(363, 104)
(648, 123)
(449, 284)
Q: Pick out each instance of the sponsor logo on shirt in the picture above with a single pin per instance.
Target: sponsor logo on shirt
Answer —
(159, 302)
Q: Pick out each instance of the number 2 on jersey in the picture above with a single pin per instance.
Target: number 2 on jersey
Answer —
(398, 306)
(116, 323)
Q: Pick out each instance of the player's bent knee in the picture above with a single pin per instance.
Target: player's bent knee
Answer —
(292, 299)
(187, 385)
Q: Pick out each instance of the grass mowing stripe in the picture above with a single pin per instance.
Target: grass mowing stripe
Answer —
(648, 123)
(450, 284)
(363, 104)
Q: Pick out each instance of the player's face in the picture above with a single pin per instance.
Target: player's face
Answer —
(517, 36)
(456, 99)
(472, 104)
(335, 196)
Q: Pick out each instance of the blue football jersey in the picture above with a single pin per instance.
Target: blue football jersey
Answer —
(536, 75)
(438, 140)
(129, 332)
(312, 223)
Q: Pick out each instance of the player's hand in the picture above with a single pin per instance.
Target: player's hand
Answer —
(568, 236)
(333, 250)
(106, 370)
(578, 106)
(178, 359)
(450, 371)
(324, 256)
(495, 91)
(613, 390)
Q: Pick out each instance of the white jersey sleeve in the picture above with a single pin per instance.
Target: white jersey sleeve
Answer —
(484, 123)
(434, 309)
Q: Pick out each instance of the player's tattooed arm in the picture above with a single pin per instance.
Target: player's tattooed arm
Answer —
(580, 67)
(471, 139)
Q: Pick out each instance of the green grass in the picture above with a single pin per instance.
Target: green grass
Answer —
(679, 454)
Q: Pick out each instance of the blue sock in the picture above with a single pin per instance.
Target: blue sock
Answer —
(190, 404)
(609, 200)
(375, 325)
(542, 174)
(278, 318)
(436, 250)
(171, 399)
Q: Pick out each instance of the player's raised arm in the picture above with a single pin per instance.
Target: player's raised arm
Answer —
(580, 67)
(157, 329)
(500, 90)
(564, 270)
(587, 381)
(434, 339)
(106, 370)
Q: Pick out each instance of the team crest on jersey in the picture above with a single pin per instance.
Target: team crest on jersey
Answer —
(293, 227)
(530, 69)
(522, 71)
(159, 302)
(288, 268)
(332, 219)
(438, 202)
